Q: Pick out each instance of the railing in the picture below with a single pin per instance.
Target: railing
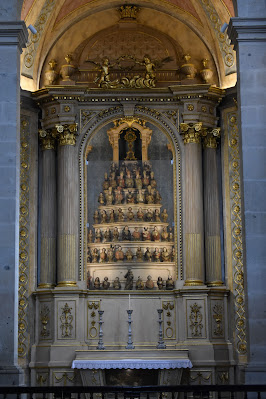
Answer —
(129, 392)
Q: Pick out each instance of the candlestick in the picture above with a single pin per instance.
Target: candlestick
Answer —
(129, 302)
(129, 342)
(100, 343)
(161, 344)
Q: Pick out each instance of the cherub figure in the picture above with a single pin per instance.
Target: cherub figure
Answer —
(103, 79)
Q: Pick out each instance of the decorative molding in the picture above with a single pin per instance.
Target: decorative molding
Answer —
(45, 332)
(13, 33)
(66, 320)
(247, 30)
(169, 325)
(217, 319)
(92, 332)
(24, 227)
(196, 318)
(131, 364)
(201, 377)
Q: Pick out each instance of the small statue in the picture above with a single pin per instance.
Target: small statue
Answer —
(112, 216)
(157, 197)
(129, 180)
(94, 255)
(109, 196)
(139, 284)
(88, 280)
(103, 216)
(155, 234)
(116, 284)
(120, 179)
(140, 214)
(164, 235)
(170, 285)
(96, 217)
(97, 283)
(145, 180)
(156, 255)
(138, 180)
(90, 236)
(89, 257)
(126, 235)
(106, 182)
(153, 181)
(119, 254)
(107, 235)
(123, 168)
(129, 255)
(139, 254)
(149, 283)
(147, 167)
(157, 215)
(146, 235)
(130, 197)
(129, 282)
(149, 215)
(112, 180)
(103, 255)
(115, 234)
(160, 283)
(106, 283)
(149, 196)
(120, 215)
(130, 214)
(171, 235)
(164, 216)
(165, 255)
(136, 234)
(140, 196)
(110, 254)
(118, 196)
(148, 255)
(98, 235)
(101, 199)
(113, 168)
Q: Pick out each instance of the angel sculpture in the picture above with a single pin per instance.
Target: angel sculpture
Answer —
(103, 79)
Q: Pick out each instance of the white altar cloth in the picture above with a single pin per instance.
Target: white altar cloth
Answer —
(152, 364)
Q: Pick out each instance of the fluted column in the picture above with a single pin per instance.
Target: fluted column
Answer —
(67, 206)
(48, 211)
(193, 219)
(211, 209)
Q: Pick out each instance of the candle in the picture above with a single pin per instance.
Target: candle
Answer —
(129, 302)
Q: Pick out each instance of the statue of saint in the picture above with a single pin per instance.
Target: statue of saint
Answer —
(101, 199)
(118, 195)
(164, 216)
(156, 255)
(106, 182)
(112, 180)
(153, 181)
(116, 284)
(129, 179)
(140, 196)
(120, 215)
(149, 215)
(149, 195)
(130, 197)
(139, 284)
(96, 217)
(146, 235)
(97, 283)
(157, 215)
(98, 235)
(160, 283)
(129, 280)
(106, 283)
(110, 254)
(170, 285)
(140, 214)
(130, 214)
(94, 255)
(103, 255)
(136, 234)
(119, 254)
(157, 197)
(121, 180)
(145, 179)
(107, 235)
(138, 180)
(155, 234)
(139, 254)
(149, 283)
(148, 255)
(164, 235)
(89, 255)
(115, 234)
(171, 234)
(112, 216)
(126, 235)
(165, 255)
(129, 255)
(109, 196)
(103, 216)
(90, 236)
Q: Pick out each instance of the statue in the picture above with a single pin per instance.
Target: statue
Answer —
(140, 214)
(164, 216)
(153, 181)
(112, 216)
(97, 283)
(160, 283)
(155, 234)
(139, 254)
(110, 254)
(88, 280)
(90, 236)
(103, 255)
(98, 235)
(103, 216)
(156, 255)
(129, 255)
(157, 215)
(146, 235)
(120, 215)
(173, 254)
(140, 196)
(129, 179)
(126, 235)
(120, 179)
(130, 197)
(112, 180)
(148, 255)
(115, 234)
(146, 167)
(109, 196)
(149, 215)
(106, 182)
(119, 254)
(157, 197)
(138, 180)
(116, 284)
(96, 217)
(101, 199)
(149, 196)
(129, 282)
(94, 255)
(165, 255)
(145, 180)
(106, 283)
(103, 78)
(130, 214)
(170, 285)
(136, 234)
(118, 195)
(107, 235)
(113, 167)
(139, 284)
(149, 283)
(89, 255)
(171, 235)
(164, 235)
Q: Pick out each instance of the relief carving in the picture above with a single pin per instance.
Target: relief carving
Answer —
(45, 322)
(66, 319)
(195, 318)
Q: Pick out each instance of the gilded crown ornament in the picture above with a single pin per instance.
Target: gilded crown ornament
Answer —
(128, 11)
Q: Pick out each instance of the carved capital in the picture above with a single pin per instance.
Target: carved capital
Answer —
(210, 137)
(47, 139)
(66, 134)
(191, 132)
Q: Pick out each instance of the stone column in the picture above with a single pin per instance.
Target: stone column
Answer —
(48, 211)
(68, 214)
(211, 210)
(13, 37)
(193, 218)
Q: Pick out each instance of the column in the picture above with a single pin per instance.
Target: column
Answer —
(211, 209)
(48, 211)
(13, 37)
(68, 212)
(193, 218)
